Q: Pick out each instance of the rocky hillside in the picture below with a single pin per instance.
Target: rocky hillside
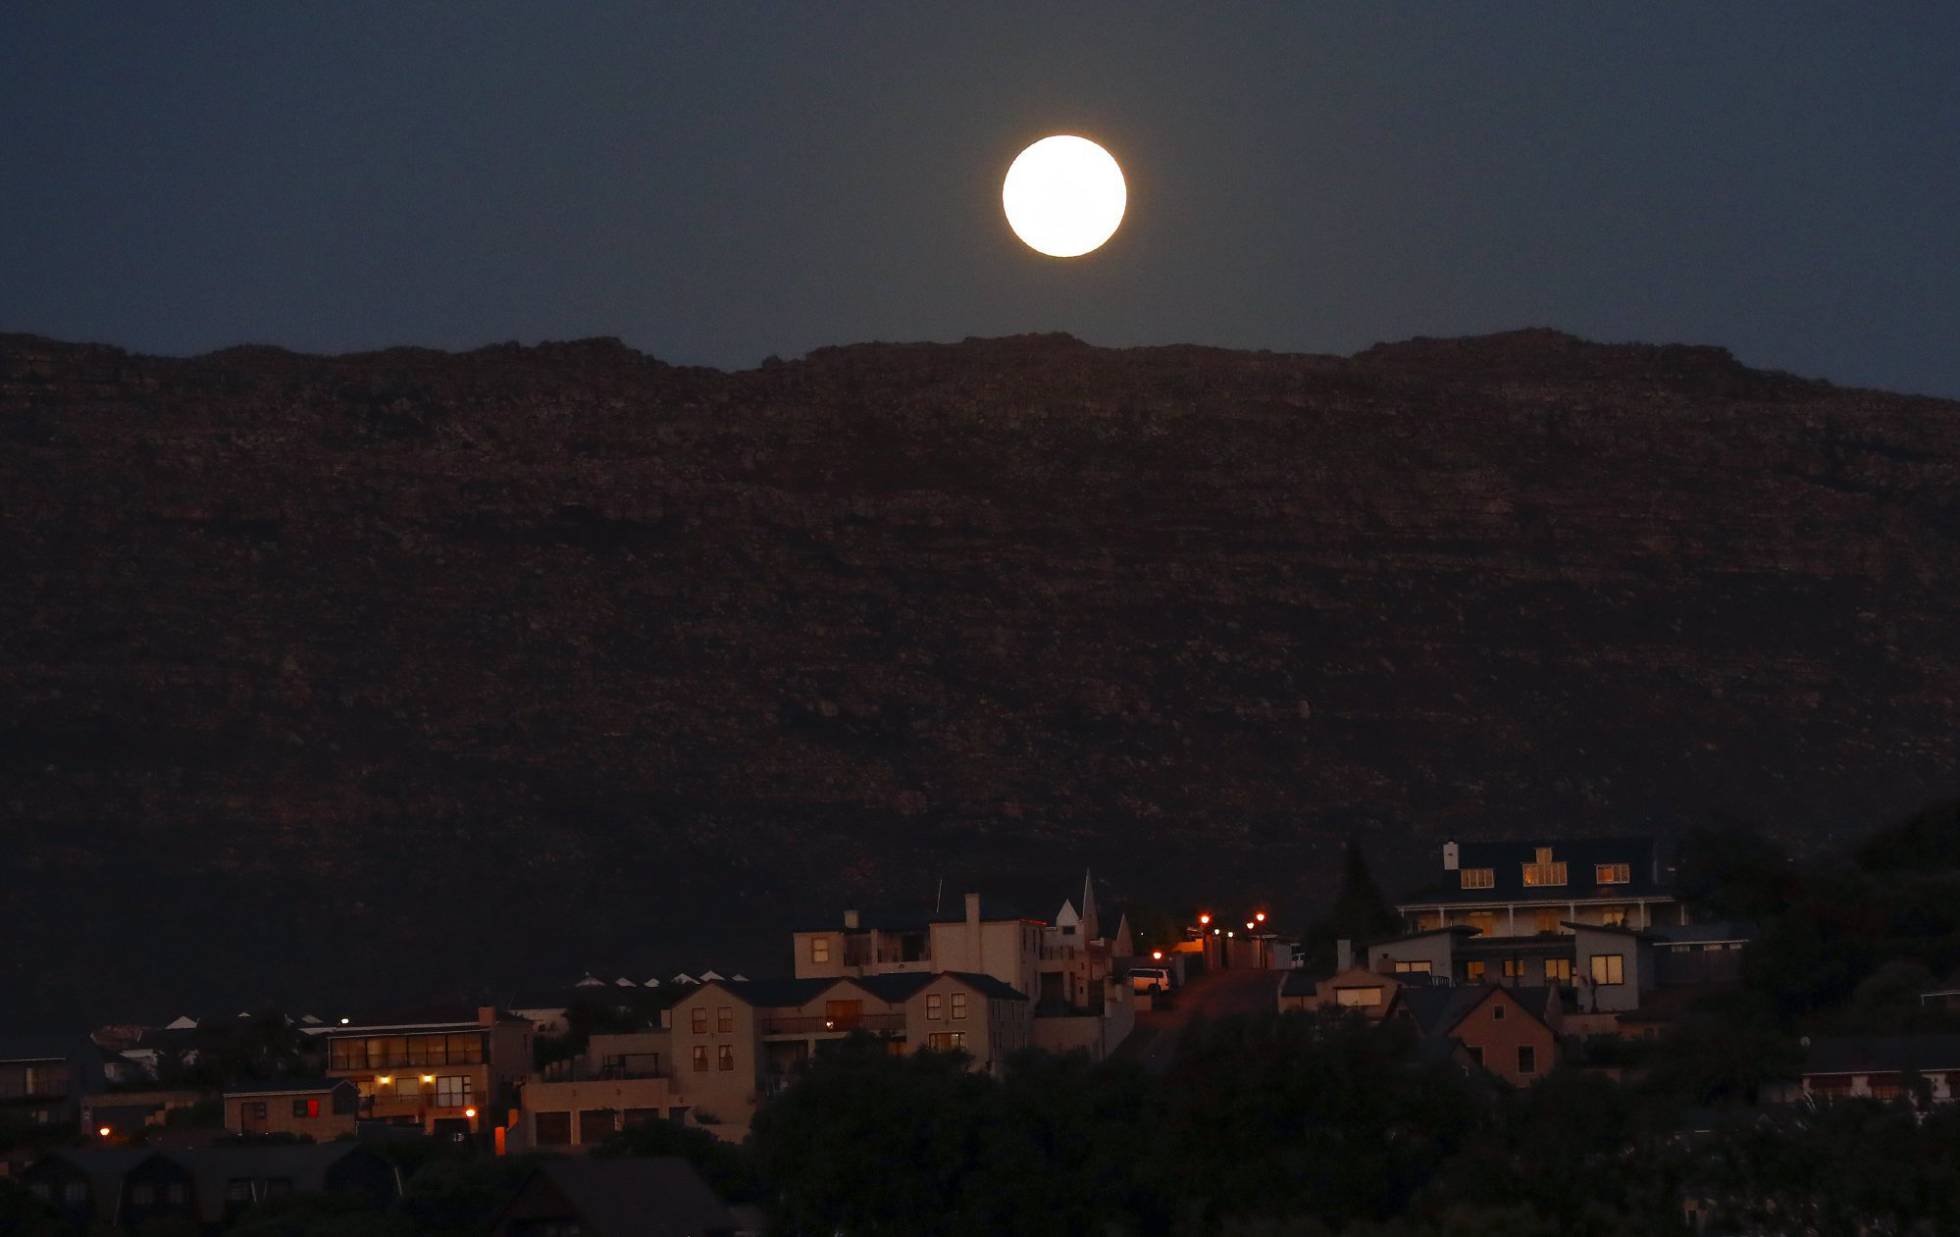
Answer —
(322, 677)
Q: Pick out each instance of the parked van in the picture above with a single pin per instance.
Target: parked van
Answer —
(1150, 979)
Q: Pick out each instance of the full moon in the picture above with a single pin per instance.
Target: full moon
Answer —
(1064, 196)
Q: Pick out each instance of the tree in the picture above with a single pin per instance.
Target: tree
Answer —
(1361, 912)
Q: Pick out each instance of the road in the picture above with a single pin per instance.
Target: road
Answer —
(1216, 994)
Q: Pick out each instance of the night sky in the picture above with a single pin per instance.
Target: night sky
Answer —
(715, 183)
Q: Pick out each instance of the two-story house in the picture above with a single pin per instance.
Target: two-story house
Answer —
(1511, 1032)
(1532, 888)
(447, 1070)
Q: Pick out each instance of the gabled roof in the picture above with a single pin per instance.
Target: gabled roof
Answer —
(654, 1196)
(304, 1164)
(1581, 856)
(1882, 1054)
(893, 989)
(986, 985)
(1703, 933)
(1299, 983)
(1439, 1011)
(1460, 929)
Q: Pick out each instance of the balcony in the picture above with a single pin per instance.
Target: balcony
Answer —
(817, 1024)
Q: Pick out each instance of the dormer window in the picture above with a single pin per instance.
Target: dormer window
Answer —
(1613, 874)
(1543, 871)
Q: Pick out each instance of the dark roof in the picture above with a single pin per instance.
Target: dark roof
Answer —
(1437, 1011)
(1299, 983)
(1715, 930)
(1453, 930)
(891, 988)
(286, 1086)
(1580, 855)
(105, 1169)
(1881, 1054)
(41, 1047)
(1611, 929)
(988, 986)
(305, 1164)
(651, 1196)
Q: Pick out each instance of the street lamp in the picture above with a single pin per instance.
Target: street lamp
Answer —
(104, 1131)
(1204, 918)
(1260, 916)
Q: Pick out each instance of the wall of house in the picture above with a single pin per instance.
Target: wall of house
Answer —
(629, 1054)
(594, 1110)
(975, 1029)
(1437, 950)
(1499, 1037)
(807, 967)
(1007, 949)
(281, 1119)
(728, 1096)
(1327, 992)
(1636, 971)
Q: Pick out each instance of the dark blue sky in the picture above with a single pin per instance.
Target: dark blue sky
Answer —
(718, 182)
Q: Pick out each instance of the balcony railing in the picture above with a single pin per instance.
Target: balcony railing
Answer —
(817, 1024)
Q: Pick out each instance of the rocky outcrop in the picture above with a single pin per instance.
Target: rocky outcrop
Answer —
(330, 675)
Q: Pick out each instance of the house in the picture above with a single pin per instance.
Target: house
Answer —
(1701, 953)
(1070, 973)
(1882, 1067)
(1511, 1032)
(1533, 888)
(113, 1188)
(44, 1078)
(1365, 992)
(322, 1109)
(438, 1069)
(127, 1113)
(232, 1179)
(732, 1045)
(660, 1196)
(620, 1081)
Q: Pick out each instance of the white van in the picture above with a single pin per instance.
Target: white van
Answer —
(1150, 979)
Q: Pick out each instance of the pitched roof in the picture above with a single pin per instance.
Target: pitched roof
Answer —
(1881, 1054)
(304, 1164)
(653, 1196)
(1438, 1011)
(1299, 983)
(988, 985)
(1507, 860)
(1700, 933)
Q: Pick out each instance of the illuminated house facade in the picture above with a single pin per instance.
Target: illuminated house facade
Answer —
(1536, 888)
(446, 1071)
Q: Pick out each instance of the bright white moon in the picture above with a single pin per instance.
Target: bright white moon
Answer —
(1064, 196)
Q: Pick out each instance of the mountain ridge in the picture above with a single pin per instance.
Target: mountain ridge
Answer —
(335, 669)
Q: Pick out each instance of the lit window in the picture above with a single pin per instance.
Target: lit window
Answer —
(1473, 971)
(453, 1091)
(1419, 966)
(1613, 874)
(946, 1041)
(1477, 878)
(1544, 871)
(1357, 997)
(819, 949)
(726, 1056)
(700, 1058)
(959, 1005)
(1485, 922)
(1614, 917)
(1558, 970)
(1514, 968)
(1609, 968)
(933, 1006)
(1547, 921)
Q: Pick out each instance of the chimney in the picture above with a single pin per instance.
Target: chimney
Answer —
(1343, 955)
(973, 932)
(1449, 855)
(850, 921)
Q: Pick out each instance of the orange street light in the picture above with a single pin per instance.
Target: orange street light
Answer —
(470, 1113)
(1214, 931)
(104, 1131)
(1228, 934)
(1261, 916)
(1205, 918)
(1156, 955)
(1248, 925)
